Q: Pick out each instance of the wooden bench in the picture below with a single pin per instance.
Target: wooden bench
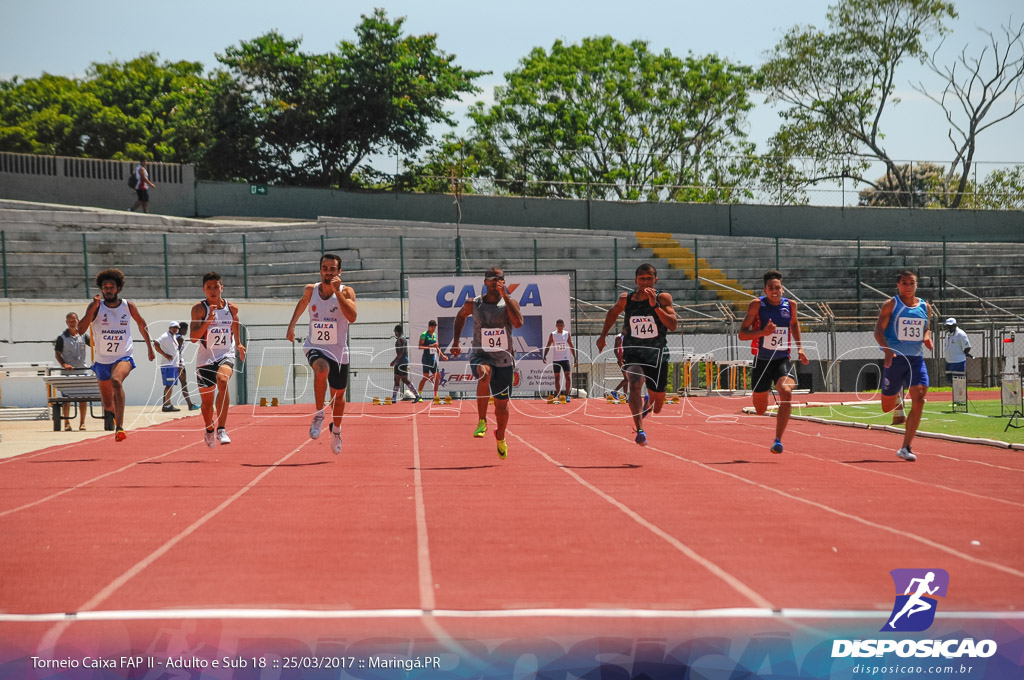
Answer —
(73, 389)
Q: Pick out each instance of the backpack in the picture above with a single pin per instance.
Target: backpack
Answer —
(133, 179)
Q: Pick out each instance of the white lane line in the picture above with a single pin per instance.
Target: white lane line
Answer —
(426, 578)
(686, 550)
(547, 612)
(821, 506)
(51, 637)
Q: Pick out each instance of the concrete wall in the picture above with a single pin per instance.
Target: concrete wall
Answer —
(720, 220)
(95, 183)
(29, 327)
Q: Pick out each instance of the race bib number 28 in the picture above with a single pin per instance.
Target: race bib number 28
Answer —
(323, 333)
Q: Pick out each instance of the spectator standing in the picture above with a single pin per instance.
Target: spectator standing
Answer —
(167, 347)
(142, 186)
(958, 349)
(182, 374)
(71, 350)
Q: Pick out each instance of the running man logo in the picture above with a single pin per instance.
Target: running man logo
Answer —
(914, 609)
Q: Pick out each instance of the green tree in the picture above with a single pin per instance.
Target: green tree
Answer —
(608, 119)
(315, 118)
(836, 86)
(1002, 189)
(118, 110)
(926, 183)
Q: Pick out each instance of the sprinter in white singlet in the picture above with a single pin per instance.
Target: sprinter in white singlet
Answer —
(110, 319)
(560, 345)
(332, 307)
(216, 328)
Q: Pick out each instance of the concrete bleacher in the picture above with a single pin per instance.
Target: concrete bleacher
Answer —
(55, 252)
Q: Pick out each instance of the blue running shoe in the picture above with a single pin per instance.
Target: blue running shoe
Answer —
(641, 438)
(647, 409)
(777, 446)
(615, 395)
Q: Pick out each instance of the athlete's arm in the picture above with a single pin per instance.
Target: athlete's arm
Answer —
(794, 329)
(666, 312)
(609, 320)
(514, 314)
(141, 323)
(747, 330)
(928, 331)
(300, 307)
(90, 314)
(199, 322)
(236, 328)
(347, 300)
(883, 321)
(572, 349)
(551, 339)
(460, 321)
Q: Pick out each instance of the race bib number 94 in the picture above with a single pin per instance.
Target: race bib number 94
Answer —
(494, 339)
(910, 330)
(643, 327)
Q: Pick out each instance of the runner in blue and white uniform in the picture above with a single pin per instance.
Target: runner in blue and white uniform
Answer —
(902, 332)
(648, 318)
(215, 327)
(110, 319)
(771, 321)
(332, 307)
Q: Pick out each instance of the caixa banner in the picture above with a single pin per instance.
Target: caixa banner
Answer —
(543, 300)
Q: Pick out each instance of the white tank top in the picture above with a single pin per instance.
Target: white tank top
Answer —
(328, 327)
(218, 342)
(112, 333)
(560, 348)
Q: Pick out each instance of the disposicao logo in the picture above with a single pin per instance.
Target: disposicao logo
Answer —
(915, 606)
(914, 611)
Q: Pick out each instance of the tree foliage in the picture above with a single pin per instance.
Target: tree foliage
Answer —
(607, 119)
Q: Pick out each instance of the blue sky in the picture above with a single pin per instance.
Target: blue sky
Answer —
(64, 36)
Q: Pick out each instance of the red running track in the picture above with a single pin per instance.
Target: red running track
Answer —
(419, 530)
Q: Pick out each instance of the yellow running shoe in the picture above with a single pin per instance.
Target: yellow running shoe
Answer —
(481, 429)
(502, 449)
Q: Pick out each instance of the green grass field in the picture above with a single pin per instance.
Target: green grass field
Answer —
(983, 420)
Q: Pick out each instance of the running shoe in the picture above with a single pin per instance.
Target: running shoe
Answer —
(418, 399)
(567, 399)
(193, 407)
(222, 436)
(906, 454)
(647, 409)
(615, 395)
(481, 429)
(335, 440)
(120, 435)
(777, 446)
(641, 438)
(211, 438)
(317, 425)
(502, 449)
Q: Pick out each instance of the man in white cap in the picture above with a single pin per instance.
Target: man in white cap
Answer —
(167, 347)
(958, 348)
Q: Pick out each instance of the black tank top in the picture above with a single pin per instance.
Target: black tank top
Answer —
(642, 329)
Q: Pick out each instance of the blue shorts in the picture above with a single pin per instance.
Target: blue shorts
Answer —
(169, 375)
(958, 367)
(905, 372)
(102, 371)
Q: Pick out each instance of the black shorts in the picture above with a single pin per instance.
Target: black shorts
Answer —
(767, 373)
(561, 366)
(502, 378)
(429, 367)
(206, 375)
(402, 370)
(652, 364)
(337, 374)
(143, 195)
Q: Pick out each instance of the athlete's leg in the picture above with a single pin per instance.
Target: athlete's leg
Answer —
(785, 387)
(224, 373)
(918, 398)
